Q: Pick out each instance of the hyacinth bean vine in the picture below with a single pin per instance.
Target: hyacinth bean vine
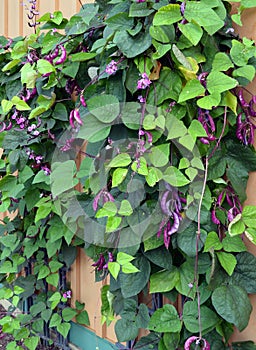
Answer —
(151, 96)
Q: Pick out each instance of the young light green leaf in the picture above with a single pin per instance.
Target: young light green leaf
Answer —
(121, 160)
(123, 258)
(114, 269)
(227, 261)
(129, 268)
(109, 209)
(118, 176)
(125, 208)
(192, 89)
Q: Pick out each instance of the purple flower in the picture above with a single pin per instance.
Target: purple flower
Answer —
(67, 294)
(147, 134)
(46, 170)
(99, 264)
(144, 82)
(141, 99)
(198, 341)
(103, 196)
(111, 68)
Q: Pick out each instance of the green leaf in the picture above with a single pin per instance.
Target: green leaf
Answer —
(212, 242)
(28, 75)
(186, 272)
(129, 268)
(109, 209)
(241, 53)
(132, 46)
(68, 314)
(44, 271)
(196, 129)
(165, 319)
(192, 89)
(60, 112)
(11, 64)
(227, 261)
(140, 166)
(244, 274)
(63, 329)
(93, 130)
(43, 211)
(222, 62)
(6, 105)
(126, 330)
(53, 279)
(123, 258)
(176, 128)
(120, 21)
(218, 82)
(139, 10)
(236, 226)
(114, 269)
(121, 160)
(232, 303)
(192, 31)
(31, 342)
(208, 318)
(175, 177)
(209, 101)
(37, 308)
(55, 265)
(44, 66)
(57, 17)
(118, 176)
(113, 223)
(163, 281)
(159, 155)
(249, 215)
(60, 183)
(163, 34)
(132, 284)
(83, 318)
(82, 56)
(125, 208)
(233, 244)
(167, 15)
(104, 107)
(164, 91)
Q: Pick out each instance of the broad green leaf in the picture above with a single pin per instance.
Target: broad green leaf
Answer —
(175, 177)
(113, 222)
(42, 212)
(109, 209)
(251, 234)
(44, 66)
(218, 82)
(121, 160)
(55, 265)
(104, 107)
(118, 176)
(20, 104)
(93, 130)
(183, 286)
(222, 62)
(60, 112)
(227, 261)
(114, 268)
(165, 319)
(209, 101)
(120, 21)
(28, 75)
(57, 17)
(159, 155)
(249, 215)
(44, 271)
(208, 318)
(126, 330)
(164, 34)
(192, 89)
(244, 274)
(82, 56)
(232, 303)
(37, 308)
(140, 166)
(176, 128)
(68, 314)
(167, 15)
(53, 279)
(63, 329)
(6, 105)
(129, 268)
(11, 64)
(229, 100)
(36, 112)
(212, 242)
(132, 46)
(192, 31)
(241, 53)
(83, 318)
(236, 226)
(31, 342)
(163, 281)
(123, 258)
(125, 208)
(139, 10)
(233, 244)
(60, 183)
(154, 175)
(196, 129)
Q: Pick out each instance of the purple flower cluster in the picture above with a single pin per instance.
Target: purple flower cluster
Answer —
(38, 162)
(208, 124)
(111, 68)
(171, 205)
(32, 14)
(67, 294)
(144, 82)
(103, 196)
(232, 207)
(101, 263)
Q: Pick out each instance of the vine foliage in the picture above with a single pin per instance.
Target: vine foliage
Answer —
(151, 97)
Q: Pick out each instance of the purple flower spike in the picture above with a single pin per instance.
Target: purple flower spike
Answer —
(111, 68)
(144, 82)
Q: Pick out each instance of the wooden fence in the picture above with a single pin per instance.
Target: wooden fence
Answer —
(13, 22)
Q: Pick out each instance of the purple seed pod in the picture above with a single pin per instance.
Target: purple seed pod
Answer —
(162, 224)
(176, 223)
(55, 53)
(204, 141)
(96, 201)
(110, 197)
(215, 220)
(77, 117)
(167, 238)
(71, 119)
(63, 56)
(9, 126)
(219, 199)
(210, 121)
(82, 100)
(202, 78)
(241, 99)
(163, 202)
(252, 112)
(197, 340)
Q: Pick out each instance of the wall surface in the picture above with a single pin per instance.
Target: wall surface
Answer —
(13, 22)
